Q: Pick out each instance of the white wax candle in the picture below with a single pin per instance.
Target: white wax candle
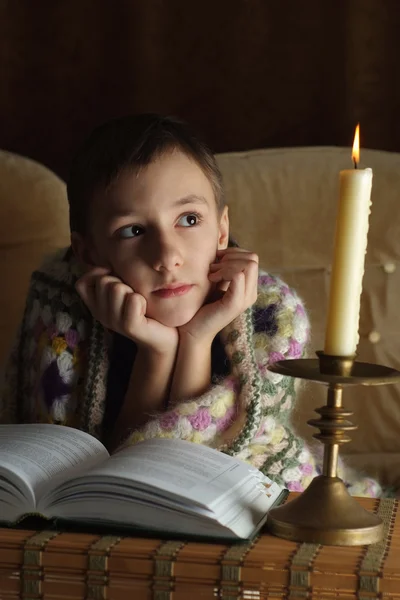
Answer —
(348, 262)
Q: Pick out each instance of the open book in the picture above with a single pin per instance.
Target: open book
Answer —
(160, 485)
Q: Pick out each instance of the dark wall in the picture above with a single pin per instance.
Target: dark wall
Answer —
(245, 73)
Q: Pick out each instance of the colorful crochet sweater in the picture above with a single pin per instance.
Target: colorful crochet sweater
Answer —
(57, 373)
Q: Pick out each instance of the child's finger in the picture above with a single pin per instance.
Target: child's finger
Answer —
(86, 293)
(86, 288)
(117, 292)
(251, 283)
(239, 263)
(234, 296)
(242, 290)
(102, 297)
(223, 286)
(90, 276)
(133, 312)
(242, 256)
(231, 253)
(229, 269)
(218, 276)
(88, 280)
(215, 266)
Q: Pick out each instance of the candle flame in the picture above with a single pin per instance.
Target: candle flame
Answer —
(356, 146)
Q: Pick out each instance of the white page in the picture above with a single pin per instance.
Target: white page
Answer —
(140, 514)
(100, 509)
(191, 471)
(39, 454)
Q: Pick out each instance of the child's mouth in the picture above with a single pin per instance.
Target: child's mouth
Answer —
(171, 292)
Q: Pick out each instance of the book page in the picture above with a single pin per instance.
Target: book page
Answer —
(41, 455)
(174, 469)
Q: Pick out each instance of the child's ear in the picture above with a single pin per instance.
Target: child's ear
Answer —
(82, 251)
(223, 230)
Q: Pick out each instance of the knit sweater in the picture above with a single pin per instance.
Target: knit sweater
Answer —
(57, 373)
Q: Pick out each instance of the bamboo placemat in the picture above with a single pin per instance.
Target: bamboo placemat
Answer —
(47, 565)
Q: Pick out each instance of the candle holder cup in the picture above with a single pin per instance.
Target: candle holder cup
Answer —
(325, 513)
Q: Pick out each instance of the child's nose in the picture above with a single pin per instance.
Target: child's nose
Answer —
(166, 254)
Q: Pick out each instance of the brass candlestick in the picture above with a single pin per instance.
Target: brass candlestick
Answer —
(325, 513)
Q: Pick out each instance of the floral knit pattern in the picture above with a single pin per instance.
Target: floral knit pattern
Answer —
(57, 373)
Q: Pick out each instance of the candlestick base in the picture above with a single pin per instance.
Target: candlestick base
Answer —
(325, 513)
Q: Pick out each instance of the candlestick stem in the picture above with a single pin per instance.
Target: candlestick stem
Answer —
(331, 454)
(331, 451)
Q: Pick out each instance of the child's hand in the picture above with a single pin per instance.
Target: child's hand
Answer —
(236, 276)
(120, 309)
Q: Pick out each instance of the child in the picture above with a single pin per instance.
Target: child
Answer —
(153, 324)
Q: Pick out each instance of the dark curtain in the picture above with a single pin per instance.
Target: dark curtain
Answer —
(245, 73)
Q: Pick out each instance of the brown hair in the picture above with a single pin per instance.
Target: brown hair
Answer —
(131, 142)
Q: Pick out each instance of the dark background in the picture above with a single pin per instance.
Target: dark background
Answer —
(246, 73)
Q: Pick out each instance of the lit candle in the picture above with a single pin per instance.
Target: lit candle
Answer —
(348, 258)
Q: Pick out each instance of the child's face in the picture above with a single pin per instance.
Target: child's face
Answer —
(158, 230)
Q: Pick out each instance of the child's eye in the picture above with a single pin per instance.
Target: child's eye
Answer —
(131, 231)
(189, 220)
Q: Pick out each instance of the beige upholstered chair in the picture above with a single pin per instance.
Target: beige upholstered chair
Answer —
(33, 222)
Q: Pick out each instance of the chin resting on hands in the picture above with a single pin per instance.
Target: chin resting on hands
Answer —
(236, 275)
(120, 309)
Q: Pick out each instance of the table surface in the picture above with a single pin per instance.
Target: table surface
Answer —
(45, 564)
